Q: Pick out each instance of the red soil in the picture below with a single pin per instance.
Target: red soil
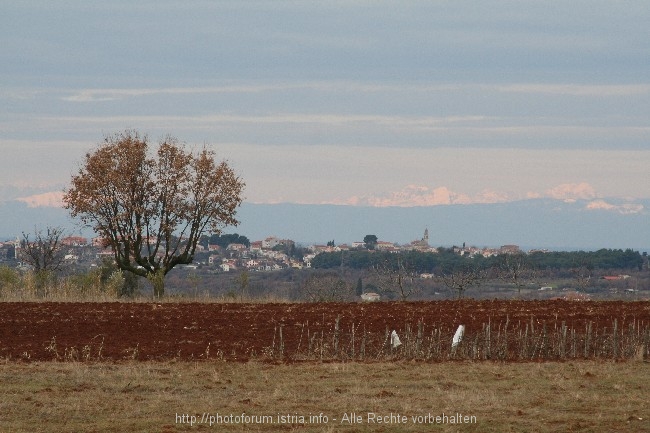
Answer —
(184, 331)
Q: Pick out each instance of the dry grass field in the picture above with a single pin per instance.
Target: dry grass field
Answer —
(170, 396)
(523, 366)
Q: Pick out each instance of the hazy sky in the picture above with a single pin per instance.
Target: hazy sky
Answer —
(352, 102)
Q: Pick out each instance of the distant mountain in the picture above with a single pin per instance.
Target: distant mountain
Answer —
(538, 223)
(17, 217)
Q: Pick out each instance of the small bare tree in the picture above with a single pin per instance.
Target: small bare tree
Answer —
(243, 281)
(582, 274)
(44, 251)
(400, 278)
(516, 269)
(327, 287)
(462, 278)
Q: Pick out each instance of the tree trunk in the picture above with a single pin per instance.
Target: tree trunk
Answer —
(157, 280)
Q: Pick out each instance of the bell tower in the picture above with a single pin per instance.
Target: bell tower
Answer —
(425, 239)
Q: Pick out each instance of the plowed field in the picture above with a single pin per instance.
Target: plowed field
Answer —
(184, 331)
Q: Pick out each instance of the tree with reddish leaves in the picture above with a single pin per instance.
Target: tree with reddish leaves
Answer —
(152, 206)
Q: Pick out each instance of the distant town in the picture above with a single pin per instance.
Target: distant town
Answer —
(269, 254)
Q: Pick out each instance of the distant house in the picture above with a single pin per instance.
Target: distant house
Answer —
(7, 251)
(317, 249)
(256, 246)
(387, 247)
(307, 259)
(383, 245)
(74, 241)
(510, 249)
(252, 264)
(101, 242)
(236, 247)
(270, 242)
(106, 253)
(370, 297)
(228, 265)
(615, 277)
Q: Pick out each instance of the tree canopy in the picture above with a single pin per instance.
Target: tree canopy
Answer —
(223, 240)
(152, 206)
(370, 241)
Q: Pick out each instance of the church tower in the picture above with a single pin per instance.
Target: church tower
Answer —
(425, 239)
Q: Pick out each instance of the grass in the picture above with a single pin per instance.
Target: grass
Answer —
(590, 396)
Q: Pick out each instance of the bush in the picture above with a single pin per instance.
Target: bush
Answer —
(9, 278)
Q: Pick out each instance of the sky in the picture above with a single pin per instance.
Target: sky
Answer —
(355, 102)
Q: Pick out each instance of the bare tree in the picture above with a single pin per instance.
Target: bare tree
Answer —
(462, 278)
(44, 252)
(400, 278)
(152, 207)
(327, 287)
(582, 272)
(516, 269)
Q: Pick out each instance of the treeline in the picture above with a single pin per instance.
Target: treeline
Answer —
(446, 258)
(224, 240)
(602, 259)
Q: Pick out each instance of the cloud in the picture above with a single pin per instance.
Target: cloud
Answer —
(112, 94)
(98, 95)
(562, 89)
(625, 209)
(327, 119)
(572, 192)
(47, 199)
(578, 89)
